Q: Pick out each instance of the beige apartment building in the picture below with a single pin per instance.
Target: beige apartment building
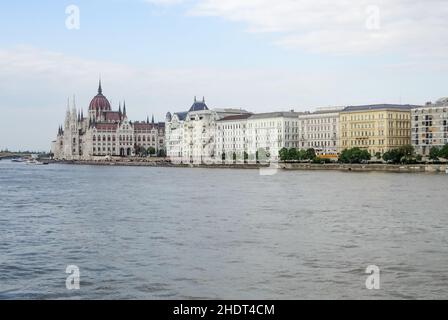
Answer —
(377, 128)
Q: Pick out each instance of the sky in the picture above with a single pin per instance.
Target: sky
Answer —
(260, 55)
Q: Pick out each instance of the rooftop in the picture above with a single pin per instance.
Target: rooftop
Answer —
(288, 114)
(399, 107)
(236, 117)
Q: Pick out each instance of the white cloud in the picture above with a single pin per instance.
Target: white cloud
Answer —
(411, 27)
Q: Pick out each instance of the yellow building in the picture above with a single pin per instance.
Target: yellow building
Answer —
(377, 128)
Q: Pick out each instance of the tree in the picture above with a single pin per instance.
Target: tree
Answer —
(151, 151)
(246, 156)
(283, 154)
(234, 157)
(223, 156)
(354, 155)
(292, 154)
(434, 153)
(310, 154)
(408, 151)
(393, 156)
(444, 152)
(301, 155)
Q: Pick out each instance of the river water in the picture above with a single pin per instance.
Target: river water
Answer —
(181, 233)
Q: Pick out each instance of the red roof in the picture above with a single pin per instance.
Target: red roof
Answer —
(143, 126)
(112, 115)
(106, 126)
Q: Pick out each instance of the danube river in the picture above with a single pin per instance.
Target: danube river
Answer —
(176, 233)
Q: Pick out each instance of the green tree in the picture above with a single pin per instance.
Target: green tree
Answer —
(246, 156)
(301, 155)
(310, 154)
(283, 154)
(354, 155)
(151, 151)
(434, 153)
(408, 151)
(234, 157)
(444, 152)
(292, 154)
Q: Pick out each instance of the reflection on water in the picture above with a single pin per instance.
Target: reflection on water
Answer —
(166, 233)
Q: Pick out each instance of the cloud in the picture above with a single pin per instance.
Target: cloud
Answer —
(35, 85)
(409, 27)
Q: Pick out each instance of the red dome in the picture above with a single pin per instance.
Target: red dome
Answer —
(100, 102)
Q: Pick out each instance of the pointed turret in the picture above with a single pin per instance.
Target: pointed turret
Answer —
(124, 109)
(152, 120)
(147, 119)
(100, 89)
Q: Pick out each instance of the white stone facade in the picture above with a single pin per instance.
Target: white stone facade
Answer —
(191, 136)
(229, 135)
(320, 131)
(268, 133)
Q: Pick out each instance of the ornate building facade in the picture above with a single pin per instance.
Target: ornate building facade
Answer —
(376, 128)
(320, 130)
(191, 136)
(104, 132)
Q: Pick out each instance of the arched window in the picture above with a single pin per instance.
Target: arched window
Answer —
(104, 138)
(94, 138)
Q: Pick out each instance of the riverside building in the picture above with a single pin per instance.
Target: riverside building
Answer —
(430, 126)
(104, 132)
(376, 128)
(320, 130)
(191, 136)
(268, 133)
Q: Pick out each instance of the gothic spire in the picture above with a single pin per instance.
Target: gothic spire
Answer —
(147, 119)
(100, 89)
(152, 119)
(124, 108)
